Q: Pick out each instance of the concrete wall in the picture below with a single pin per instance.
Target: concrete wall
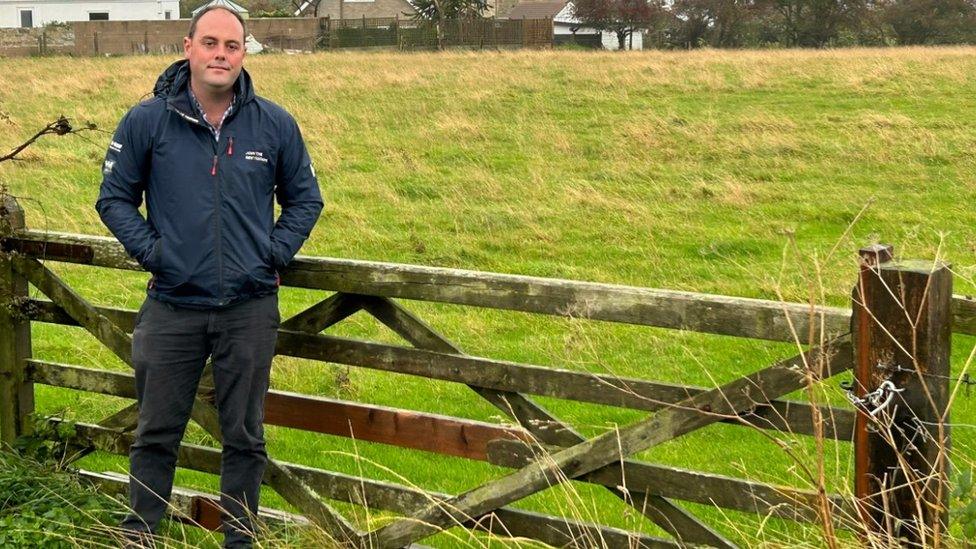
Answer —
(127, 37)
(47, 11)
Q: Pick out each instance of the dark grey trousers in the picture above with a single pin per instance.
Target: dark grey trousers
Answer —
(170, 346)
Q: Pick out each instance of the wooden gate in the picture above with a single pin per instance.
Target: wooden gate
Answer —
(542, 450)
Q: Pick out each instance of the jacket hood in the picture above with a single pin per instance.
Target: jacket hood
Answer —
(172, 83)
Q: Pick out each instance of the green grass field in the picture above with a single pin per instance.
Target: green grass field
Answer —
(738, 173)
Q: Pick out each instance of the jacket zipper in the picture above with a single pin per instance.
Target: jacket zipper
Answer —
(230, 152)
(213, 172)
(220, 254)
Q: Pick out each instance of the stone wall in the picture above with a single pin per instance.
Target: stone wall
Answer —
(37, 41)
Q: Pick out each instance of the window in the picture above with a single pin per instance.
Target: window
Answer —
(168, 15)
(27, 18)
(98, 16)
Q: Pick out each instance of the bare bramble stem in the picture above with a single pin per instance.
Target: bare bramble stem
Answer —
(61, 126)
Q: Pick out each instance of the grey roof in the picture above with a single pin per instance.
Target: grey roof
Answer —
(536, 9)
(225, 3)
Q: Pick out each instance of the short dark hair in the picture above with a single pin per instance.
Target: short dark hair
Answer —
(199, 14)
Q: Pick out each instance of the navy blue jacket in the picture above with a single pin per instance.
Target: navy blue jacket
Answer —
(209, 238)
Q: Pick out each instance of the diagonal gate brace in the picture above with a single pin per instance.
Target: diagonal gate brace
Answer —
(542, 424)
(691, 414)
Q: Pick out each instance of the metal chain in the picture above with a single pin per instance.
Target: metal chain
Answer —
(877, 400)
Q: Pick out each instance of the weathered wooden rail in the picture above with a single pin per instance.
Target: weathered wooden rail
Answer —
(376, 288)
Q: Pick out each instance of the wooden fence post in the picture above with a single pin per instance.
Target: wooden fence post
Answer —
(901, 329)
(871, 256)
(16, 394)
(328, 29)
(396, 31)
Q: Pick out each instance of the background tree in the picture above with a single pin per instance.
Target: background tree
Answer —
(715, 23)
(621, 17)
(865, 25)
(305, 8)
(930, 21)
(438, 11)
(690, 24)
(811, 23)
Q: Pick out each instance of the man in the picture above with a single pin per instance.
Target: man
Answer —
(210, 156)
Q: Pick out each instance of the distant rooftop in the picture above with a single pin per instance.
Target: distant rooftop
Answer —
(536, 9)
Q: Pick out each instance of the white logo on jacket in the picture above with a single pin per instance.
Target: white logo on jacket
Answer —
(257, 156)
(107, 168)
(115, 146)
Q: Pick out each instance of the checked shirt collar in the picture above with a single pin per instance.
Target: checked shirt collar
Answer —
(215, 130)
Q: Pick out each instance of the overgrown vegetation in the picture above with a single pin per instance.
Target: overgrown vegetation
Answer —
(963, 502)
(43, 505)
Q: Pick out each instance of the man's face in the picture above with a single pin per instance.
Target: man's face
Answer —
(216, 51)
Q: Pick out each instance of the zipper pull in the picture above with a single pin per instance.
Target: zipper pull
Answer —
(213, 169)
(230, 147)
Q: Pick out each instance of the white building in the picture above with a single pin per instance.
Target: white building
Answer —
(567, 29)
(37, 13)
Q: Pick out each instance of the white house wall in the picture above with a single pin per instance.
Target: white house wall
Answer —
(63, 11)
(608, 39)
